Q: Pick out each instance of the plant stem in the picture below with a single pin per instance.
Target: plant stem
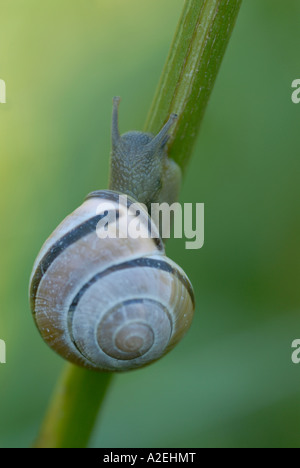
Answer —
(187, 80)
(190, 72)
(73, 412)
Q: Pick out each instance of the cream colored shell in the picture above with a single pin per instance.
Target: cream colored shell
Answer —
(108, 304)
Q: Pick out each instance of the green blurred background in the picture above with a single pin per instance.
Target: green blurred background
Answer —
(231, 382)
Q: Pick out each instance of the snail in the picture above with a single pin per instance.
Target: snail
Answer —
(115, 303)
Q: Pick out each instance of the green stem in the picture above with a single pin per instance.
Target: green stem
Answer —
(185, 86)
(190, 72)
(74, 409)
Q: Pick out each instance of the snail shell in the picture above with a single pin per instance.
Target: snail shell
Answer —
(109, 304)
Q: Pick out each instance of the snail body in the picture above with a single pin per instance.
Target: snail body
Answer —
(111, 303)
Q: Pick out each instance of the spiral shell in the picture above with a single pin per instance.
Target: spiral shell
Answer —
(110, 304)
